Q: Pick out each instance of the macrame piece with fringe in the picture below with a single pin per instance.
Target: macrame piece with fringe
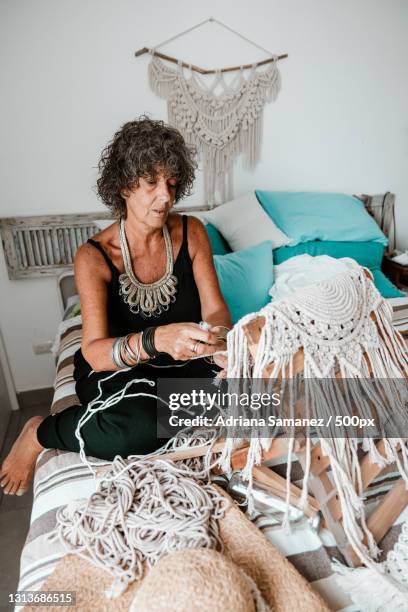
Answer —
(343, 326)
(220, 126)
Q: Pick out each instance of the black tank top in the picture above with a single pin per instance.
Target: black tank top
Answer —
(122, 321)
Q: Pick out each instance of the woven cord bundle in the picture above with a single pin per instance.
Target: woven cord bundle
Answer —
(142, 511)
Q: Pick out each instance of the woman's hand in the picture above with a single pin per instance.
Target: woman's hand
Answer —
(221, 361)
(185, 341)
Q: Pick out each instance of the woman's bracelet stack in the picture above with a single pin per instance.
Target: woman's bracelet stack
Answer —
(123, 356)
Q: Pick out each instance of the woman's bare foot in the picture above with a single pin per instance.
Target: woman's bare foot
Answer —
(18, 467)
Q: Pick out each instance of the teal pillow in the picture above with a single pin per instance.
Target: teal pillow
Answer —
(306, 216)
(384, 285)
(367, 254)
(245, 278)
(219, 245)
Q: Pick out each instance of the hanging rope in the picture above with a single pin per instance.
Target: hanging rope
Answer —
(223, 25)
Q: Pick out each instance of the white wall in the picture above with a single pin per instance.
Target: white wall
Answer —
(69, 80)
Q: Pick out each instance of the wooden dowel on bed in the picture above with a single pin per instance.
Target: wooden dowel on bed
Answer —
(384, 516)
(191, 453)
(180, 455)
(271, 481)
(278, 449)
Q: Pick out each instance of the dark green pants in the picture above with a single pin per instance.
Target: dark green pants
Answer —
(127, 428)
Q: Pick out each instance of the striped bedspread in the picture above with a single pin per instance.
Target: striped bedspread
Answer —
(60, 477)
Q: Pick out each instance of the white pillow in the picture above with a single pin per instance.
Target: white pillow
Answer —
(200, 214)
(102, 224)
(244, 223)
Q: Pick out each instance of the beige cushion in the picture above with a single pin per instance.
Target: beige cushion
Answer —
(244, 223)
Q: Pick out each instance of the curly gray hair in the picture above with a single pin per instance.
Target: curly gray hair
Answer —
(143, 148)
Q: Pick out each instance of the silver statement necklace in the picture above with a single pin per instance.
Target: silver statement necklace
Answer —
(147, 299)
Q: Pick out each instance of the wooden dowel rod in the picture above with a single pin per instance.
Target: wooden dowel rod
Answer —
(190, 453)
(141, 51)
(174, 60)
(246, 66)
(370, 471)
(384, 516)
(318, 461)
(279, 448)
(187, 453)
(277, 485)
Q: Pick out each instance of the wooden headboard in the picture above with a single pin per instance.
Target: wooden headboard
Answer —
(46, 245)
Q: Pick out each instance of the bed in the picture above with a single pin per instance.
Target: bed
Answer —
(60, 477)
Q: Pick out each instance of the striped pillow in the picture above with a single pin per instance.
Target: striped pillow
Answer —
(67, 342)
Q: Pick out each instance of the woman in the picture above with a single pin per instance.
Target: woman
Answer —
(145, 284)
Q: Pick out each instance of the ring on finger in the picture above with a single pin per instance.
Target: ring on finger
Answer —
(194, 347)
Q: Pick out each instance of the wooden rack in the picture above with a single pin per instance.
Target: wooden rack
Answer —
(321, 486)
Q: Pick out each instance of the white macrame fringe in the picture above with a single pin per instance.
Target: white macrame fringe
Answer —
(385, 590)
(331, 321)
(220, 126)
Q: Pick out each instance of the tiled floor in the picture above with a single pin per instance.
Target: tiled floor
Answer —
(15, 511)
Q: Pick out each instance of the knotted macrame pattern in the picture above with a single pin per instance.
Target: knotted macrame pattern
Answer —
(344, 326)
(220, 126)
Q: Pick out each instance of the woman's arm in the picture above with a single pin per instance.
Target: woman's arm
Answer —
(92, 276)
(213, 307)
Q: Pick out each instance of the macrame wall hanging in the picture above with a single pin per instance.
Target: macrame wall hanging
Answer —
(220, 125)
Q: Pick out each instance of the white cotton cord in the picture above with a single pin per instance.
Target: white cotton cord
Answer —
(85, 417)
(286, 521)
(138, 514)
(224, 461)
(254, 457)
(198, 467)
(259, 601)
(381, 588)
(169, 40)
(251, 42)
(303, 502)
(97, 405)
(351, 503)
